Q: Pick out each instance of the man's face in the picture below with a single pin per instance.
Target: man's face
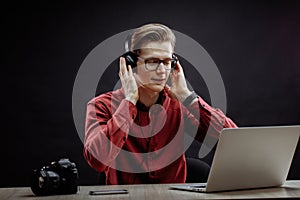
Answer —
(154, 80)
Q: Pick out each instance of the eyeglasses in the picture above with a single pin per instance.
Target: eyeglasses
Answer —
(152, 64)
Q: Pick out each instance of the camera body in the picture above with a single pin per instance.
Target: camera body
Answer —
(60, 177)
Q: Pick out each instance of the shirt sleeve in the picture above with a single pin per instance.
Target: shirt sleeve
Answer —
(106, 133)
(207, 120)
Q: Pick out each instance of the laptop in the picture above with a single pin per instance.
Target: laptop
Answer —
(249, 158)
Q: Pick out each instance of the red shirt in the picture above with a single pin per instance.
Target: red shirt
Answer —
(133, 144)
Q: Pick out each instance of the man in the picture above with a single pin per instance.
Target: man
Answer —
(136, 133)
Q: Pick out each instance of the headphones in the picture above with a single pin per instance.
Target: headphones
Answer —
(132, 58)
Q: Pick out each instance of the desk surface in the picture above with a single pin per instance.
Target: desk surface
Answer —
(291, 189)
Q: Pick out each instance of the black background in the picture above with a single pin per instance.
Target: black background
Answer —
(255, 45)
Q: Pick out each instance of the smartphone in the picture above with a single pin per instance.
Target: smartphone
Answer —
(103, 192)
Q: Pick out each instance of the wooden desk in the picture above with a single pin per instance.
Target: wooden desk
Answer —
(159, 191)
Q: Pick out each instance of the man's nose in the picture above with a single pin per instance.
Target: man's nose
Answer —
(161, 67)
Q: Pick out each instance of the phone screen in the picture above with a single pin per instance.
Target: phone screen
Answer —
(103, 192)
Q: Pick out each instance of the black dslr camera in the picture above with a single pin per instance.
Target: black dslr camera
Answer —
(60, 177)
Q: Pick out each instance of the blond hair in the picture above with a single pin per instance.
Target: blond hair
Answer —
(153, 32)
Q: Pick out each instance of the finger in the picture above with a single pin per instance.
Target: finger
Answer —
(173, 76)
(129, 71)
(120, 67)
(167, 87)
(178, 67)
(170, 92)
(123, 70)
(174, 72)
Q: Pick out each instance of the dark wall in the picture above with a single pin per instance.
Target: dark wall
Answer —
(255, 45)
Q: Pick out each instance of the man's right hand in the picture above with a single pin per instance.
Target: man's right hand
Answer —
(128, 82)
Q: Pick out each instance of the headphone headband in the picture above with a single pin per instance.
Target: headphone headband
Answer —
(128, 42)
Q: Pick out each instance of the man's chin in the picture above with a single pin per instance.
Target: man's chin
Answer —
(156, 88)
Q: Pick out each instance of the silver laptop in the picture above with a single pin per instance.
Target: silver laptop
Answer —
(248, 158)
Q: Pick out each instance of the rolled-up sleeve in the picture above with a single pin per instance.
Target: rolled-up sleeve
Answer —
(106, 132)
(209, 120)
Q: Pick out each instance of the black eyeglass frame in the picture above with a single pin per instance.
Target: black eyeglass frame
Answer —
(158, 64)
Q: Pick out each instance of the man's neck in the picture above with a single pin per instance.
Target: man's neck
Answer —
(148, 97)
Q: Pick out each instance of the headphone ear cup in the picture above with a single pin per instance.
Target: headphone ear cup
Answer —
(130, 58)
(175, 59)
